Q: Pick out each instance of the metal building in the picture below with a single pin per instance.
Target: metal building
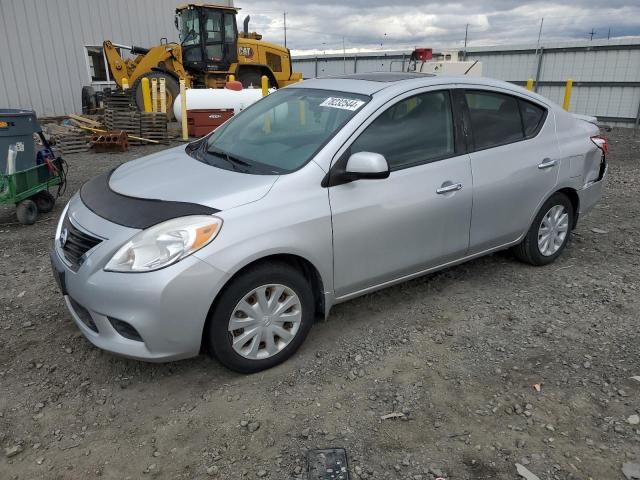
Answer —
(51, 48)
(605, 73)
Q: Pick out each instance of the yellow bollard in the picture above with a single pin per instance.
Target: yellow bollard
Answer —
(154, 94)
(232, 78)
(530, 84)
(567, 95)
(125, 83)
(183, 110)
(265, 85)
(163, 95)
(146, 94)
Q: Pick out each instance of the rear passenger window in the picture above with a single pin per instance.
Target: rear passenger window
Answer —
(532, 117)
(495, 119)
(415, 130)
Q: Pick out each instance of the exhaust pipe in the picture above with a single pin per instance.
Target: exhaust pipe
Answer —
(246, 26)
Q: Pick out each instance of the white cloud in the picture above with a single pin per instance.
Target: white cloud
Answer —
(315, 26)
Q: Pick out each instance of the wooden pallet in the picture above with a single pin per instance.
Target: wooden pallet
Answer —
(121, 113)
(68, 139)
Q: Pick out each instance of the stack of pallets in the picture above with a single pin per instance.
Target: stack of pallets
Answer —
(121, 113)
(153, 125)
(68, 139)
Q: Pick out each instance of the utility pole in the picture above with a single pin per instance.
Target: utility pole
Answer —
(344, 56)
(609, 34)
(538, 59)
(466, 36)
(591, 34)
(284, 16)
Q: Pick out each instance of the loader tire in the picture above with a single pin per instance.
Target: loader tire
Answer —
(172, 88)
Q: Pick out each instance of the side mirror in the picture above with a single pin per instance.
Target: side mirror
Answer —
(361, 165)
(367, 165)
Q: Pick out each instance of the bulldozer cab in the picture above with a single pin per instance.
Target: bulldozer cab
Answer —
(209, 37)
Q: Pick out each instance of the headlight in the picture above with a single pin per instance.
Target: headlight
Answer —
(165, 244)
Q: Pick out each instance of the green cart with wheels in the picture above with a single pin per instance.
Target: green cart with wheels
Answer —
(27, 172)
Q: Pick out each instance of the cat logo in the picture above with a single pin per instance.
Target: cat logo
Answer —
(246, 52)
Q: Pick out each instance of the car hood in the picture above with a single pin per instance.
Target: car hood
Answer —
(173, 175)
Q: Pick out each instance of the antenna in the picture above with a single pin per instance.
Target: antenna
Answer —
(284, 16)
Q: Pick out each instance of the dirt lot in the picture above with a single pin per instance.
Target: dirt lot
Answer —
(456, 353)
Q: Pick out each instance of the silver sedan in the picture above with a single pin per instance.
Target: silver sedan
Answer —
(321, 192)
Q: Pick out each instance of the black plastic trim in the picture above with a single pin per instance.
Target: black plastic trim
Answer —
(134, 212)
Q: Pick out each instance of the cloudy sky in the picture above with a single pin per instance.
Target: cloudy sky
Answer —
(316, 26)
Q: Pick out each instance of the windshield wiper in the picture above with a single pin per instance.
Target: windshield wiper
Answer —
(234, 161)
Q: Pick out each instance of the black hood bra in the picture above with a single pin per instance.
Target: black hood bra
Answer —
(134, 212)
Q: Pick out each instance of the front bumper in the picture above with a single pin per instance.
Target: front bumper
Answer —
(167, 308)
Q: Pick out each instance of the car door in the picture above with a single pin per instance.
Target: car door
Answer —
(416, 218)
(515, 165)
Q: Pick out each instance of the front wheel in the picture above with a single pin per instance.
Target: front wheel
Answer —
(261, 318)
(549, 233)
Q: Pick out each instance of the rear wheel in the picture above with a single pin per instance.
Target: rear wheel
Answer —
(89, 103)
(549, 233)
(253, 78)
(261, 318)
(45, 201)
(172, 89)
(27, 212)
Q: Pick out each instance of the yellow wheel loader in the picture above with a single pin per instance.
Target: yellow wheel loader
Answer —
(210, 50)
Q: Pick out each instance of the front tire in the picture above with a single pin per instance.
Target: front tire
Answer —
(549, 233)
(172, 89)
(261, 318)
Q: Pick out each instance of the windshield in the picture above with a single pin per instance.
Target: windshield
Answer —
(189, 27)
(283, 131)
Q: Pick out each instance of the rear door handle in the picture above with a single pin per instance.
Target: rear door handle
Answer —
(454, 187)
(547, 163)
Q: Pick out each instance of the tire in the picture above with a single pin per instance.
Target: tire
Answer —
(530, 250)
(253, 78)
(219, 339)
(172, 89)
(27, 212)
(45, 201)
(89, 104)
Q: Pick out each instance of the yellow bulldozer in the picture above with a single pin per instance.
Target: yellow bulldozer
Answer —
(210, 50)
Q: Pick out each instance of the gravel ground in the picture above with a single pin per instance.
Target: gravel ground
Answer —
(455, 356)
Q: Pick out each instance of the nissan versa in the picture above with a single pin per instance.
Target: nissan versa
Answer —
(320, 192)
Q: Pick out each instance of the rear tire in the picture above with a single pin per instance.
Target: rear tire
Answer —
(253, 78)
(89, 103)
(45, 201)
(219, 338)
(27, 212)
(537, 249)
(172, 89)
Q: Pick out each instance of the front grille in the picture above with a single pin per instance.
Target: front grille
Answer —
(75, 243)
(83, 314)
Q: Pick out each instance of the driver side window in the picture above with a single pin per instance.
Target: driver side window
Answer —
(415, 130)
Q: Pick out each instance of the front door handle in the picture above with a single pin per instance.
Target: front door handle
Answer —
(547, 163)
(453, 187)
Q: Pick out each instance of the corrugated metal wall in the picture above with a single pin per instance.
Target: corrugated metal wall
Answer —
(43, 63)
(606, 74)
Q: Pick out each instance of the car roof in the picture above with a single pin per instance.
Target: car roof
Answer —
(371, 83)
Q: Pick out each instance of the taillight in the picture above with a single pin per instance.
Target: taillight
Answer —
(601, 142)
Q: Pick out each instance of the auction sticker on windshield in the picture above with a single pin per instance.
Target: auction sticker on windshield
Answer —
(342, 103)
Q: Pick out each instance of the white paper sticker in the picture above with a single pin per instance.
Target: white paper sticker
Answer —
(342, 103)
(19, 147)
